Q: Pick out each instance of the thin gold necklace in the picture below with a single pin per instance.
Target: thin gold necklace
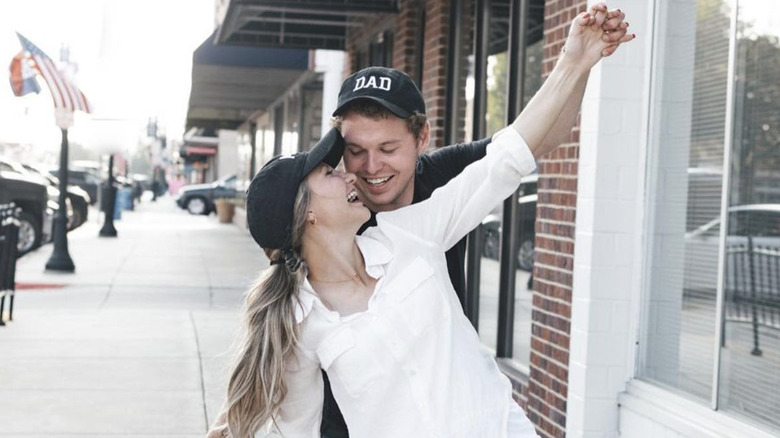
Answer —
(352, 278)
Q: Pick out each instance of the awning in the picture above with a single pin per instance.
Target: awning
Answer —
(230, 83)
(307, 24)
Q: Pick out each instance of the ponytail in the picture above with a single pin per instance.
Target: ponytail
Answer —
(257, 387)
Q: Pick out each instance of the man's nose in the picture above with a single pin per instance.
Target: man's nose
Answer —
(373, 163)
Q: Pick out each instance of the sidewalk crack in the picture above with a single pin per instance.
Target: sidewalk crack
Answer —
(200, 365)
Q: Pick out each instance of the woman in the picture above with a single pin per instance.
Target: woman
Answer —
(377, 312)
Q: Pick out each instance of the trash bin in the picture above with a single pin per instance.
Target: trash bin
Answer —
(117, 204)
(126, 198)
(225, 210)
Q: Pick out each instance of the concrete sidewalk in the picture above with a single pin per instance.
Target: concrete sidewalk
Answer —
(136, 341)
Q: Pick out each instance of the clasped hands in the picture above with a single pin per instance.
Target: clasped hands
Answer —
(596, 33)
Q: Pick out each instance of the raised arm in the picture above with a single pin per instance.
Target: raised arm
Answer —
(459, 206)
(616, 29)
(557, 101)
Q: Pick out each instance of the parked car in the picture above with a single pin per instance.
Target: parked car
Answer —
(87, 180)
(761, 222)
(79, 199)
(491, 226)
(31, 196)
(199, 198)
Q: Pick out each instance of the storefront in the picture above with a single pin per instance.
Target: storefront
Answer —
(642, 318)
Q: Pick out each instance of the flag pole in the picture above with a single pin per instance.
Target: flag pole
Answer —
(60, 258)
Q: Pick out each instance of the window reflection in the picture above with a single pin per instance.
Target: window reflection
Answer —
(495, 118)
(687, 180)
(750, 354)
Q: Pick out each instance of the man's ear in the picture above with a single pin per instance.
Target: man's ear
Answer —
(425, 138)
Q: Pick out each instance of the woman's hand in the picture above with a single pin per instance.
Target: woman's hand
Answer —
(595, 34)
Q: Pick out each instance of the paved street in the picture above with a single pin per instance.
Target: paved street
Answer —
(135, 343)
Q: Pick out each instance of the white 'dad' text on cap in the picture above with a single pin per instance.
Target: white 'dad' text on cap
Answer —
(384, 83)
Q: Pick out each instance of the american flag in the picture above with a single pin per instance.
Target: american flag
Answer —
(65, 94)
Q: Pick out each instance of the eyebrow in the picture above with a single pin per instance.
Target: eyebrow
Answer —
(384, 143)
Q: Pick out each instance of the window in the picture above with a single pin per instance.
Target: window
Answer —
(378, 52)
(716, 340)
(524, 221)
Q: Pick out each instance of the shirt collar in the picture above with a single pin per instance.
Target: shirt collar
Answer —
(376, 255)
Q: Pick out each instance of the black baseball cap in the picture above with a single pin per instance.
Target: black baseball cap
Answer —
(391, 88)
(270, 198)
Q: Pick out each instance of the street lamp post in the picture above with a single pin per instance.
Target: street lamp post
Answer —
(109, 195)
(60, 259)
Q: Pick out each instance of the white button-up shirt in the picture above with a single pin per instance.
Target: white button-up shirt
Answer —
(411, 365)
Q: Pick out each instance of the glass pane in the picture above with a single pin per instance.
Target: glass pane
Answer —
(685, 189)
(750, 356)
(491, 225)
(526, 211)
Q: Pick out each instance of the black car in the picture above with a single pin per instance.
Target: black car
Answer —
(199, 198)
(491, 226)
(85, 179)
(31, 196)
(78, 198)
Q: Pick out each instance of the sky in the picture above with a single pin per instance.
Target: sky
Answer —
(134, 61)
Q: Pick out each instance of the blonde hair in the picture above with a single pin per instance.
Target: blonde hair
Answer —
(257, 387)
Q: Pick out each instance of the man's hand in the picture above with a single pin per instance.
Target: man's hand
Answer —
(218, 432)
(220, 428)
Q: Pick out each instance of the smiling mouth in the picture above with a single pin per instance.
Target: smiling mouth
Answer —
(374, 182)
(353, 197)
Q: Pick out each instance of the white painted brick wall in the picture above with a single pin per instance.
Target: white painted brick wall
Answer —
(609, 208)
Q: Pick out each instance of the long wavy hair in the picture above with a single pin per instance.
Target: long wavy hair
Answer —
(257, 387)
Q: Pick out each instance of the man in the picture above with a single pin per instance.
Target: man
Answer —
(381, 115)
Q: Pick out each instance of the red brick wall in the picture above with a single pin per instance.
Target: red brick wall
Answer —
(406, 35)
(434, 84)
(435, 62)
(554, 257)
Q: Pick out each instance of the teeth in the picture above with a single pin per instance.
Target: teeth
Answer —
(352, 196)
(375, 181)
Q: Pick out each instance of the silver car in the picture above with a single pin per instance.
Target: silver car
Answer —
(752, 244)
